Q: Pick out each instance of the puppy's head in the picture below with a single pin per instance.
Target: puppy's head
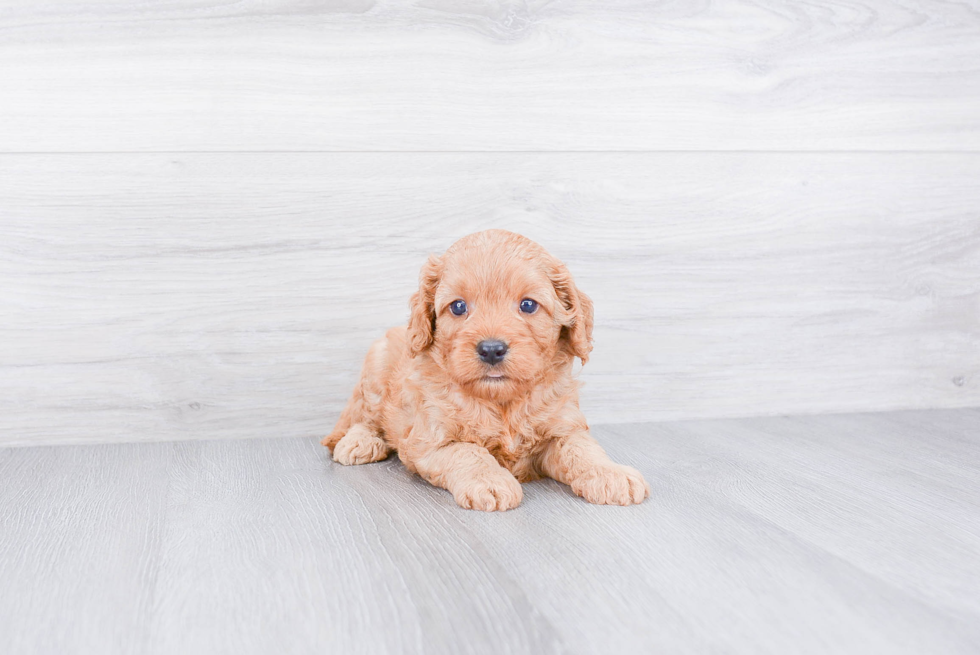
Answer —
(498, 314)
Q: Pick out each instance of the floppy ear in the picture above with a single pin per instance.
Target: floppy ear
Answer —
(577, 323)
(422, 320)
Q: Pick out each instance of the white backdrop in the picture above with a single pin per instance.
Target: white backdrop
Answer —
(208, 212)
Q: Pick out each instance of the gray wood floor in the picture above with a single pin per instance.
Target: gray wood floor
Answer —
(834, 533)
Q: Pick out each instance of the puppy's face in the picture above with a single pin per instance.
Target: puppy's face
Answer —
(499, 314)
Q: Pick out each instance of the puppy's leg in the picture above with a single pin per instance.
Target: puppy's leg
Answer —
(472, 475)
(343, 424)
(360, 445)
(580, 462)
(364, 406)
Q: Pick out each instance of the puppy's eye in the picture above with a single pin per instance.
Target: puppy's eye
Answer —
(529, 306)
(458, 307)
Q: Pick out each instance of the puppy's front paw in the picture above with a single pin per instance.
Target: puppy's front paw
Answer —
(360, 446)
(494, 493)
(612, 485)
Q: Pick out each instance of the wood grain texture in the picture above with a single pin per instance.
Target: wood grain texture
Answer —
(844, 534)
(155, 297)
(90, 522)
(488, 75)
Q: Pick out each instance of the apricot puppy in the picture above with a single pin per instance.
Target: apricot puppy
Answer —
(476, 394)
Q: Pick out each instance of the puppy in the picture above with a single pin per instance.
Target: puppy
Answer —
(476, 394)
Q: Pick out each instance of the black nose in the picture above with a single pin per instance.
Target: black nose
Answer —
(491, 351)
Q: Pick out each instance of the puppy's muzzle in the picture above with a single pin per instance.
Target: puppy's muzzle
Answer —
(491, 351)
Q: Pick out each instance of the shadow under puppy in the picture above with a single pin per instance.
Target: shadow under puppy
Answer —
(476, 394)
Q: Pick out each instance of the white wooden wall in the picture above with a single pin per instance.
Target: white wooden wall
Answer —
(208, 210)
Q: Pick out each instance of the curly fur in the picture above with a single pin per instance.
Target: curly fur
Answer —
(425, 393)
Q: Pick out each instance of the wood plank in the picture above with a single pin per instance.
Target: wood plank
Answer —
(80, 536)
(271, 533)
(155, 297)
(804, 534)
(504, 75)
(863, 488)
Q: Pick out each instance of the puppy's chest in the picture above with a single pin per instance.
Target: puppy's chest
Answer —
(510, 442)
